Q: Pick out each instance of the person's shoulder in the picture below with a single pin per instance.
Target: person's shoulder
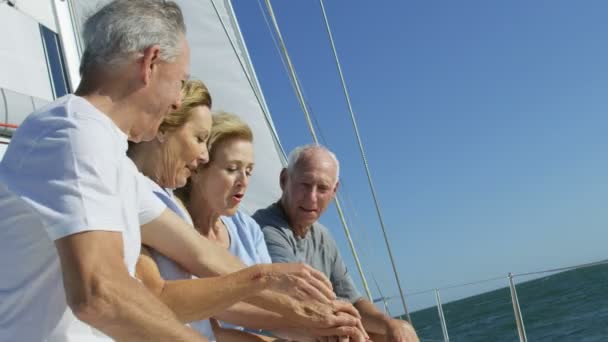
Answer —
(244, 221)
(70, 121)
(270, 217)
(261, 215)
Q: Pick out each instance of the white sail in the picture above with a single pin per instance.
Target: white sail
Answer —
(218, 64)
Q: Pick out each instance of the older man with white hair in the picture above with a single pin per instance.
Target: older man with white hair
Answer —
(71, 202)
(293, 234)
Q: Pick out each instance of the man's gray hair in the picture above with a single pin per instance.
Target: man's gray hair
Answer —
(296, 154)
(124, 27)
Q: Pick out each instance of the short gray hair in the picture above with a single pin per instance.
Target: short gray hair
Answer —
(296, 154)
(123, 27)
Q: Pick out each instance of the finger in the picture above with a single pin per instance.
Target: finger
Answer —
(348, 331)
(343, 339)
(312, 291)
(321, 284)
(345, 307)
(321, 277)
(362, 329)
(342, 319)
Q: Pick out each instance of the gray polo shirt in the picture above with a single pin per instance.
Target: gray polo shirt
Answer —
(317, 249)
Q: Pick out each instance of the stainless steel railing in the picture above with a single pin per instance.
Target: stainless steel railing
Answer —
(519, 319)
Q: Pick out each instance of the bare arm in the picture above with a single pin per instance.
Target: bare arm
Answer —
(100, 291)
(382, 327)
(251, 316)
(174, 238)
(198, 299)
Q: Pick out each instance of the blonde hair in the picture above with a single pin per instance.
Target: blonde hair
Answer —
(194, 93)
(226, 126)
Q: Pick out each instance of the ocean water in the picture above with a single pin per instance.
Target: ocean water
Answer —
(567, 306)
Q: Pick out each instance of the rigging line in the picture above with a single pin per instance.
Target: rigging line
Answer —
(314, 136)
(369, 177)
(286, 69)
(590, 264)
(251, 85)
(274, 40)
(360, 234)
(384, 299)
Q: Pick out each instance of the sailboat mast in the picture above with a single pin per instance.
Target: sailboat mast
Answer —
(367, 171)
(300, 96)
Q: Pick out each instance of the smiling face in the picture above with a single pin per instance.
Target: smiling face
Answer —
(222, 183)
(185, 148)
(309, 187)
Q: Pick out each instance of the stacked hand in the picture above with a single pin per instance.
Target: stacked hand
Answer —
(320, 317)
(299, 281)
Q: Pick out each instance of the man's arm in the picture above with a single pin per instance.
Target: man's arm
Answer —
(199, 299)
(100, 291)
(382, 326)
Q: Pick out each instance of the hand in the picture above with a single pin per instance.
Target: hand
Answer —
(327, 323)
(299, 281)
(400, 331)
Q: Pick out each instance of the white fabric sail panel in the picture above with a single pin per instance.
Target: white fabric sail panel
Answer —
(216, 62)
(22, 59)
(40, 10)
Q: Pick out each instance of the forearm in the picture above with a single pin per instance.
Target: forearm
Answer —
(290, 309)
(373, 320)
(198, 299)
(252, 317)
(172, 237)
(123, 309)
(101, 293)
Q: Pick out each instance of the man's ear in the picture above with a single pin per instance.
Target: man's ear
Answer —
(161, 135)
(283, 179)
(149, 62)
(336, 188)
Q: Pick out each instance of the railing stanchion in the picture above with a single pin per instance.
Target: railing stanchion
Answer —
(521, 331)
(444, 327)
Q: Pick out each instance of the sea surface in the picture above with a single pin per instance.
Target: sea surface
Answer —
(567, 306)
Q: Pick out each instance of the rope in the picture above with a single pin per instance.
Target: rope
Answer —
(300, 97)
(561, 269)
(365, 163)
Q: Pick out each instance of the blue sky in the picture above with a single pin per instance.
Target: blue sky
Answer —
(484, 125)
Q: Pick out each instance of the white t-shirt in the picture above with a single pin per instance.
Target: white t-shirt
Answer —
(65, 171)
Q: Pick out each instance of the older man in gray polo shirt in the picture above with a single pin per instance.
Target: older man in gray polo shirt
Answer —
(292, 234)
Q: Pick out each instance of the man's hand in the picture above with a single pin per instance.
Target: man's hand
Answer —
(322, 322)
(400, 331)
(299, 281)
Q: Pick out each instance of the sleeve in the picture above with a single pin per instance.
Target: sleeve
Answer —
(150, 206)
(278, 246)
(258, 240)
(72, 183)
(340, 278)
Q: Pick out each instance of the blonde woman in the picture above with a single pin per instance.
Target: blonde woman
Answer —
(178, 151)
